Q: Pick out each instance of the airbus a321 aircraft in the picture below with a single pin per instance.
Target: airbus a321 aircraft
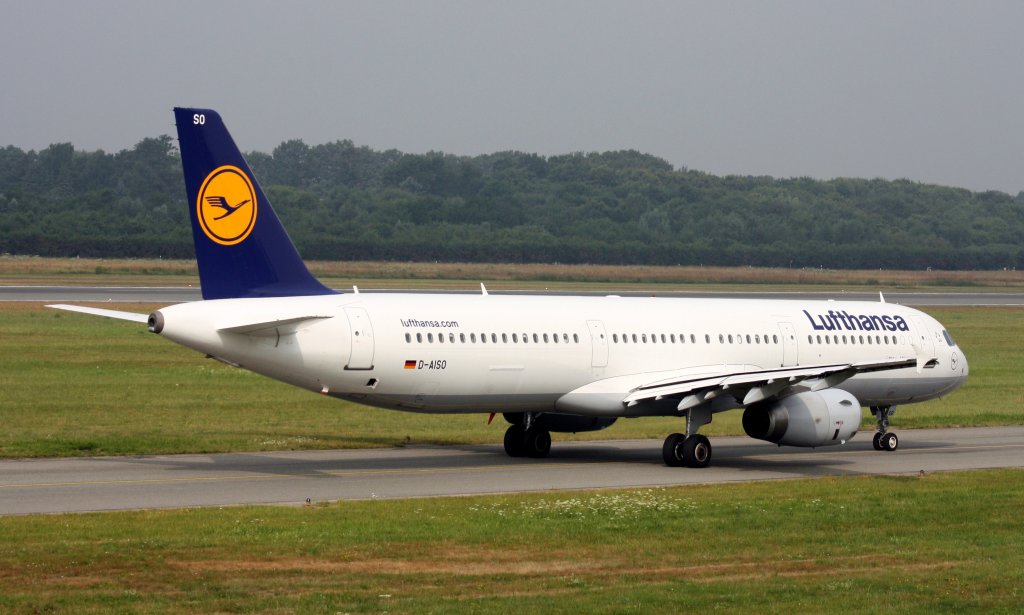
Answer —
(799, 370)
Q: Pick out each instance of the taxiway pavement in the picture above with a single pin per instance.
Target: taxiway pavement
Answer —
(175, 481)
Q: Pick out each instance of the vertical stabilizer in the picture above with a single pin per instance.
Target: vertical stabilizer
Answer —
(241, 248)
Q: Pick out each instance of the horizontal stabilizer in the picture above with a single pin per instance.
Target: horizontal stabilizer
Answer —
(132, 316)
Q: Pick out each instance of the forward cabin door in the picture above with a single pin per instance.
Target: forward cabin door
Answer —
(361, 355)
(790, 351)
(921, 340)
(598, 344)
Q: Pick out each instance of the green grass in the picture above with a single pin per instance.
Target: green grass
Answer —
(937, 543)
(72, 384)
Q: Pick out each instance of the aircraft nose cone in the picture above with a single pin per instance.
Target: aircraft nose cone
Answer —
(958, 364)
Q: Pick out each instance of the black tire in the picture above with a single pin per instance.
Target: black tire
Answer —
(890, 442)
(515, 441)
(672, 450)
(876, 441)
(697, 451)
(537, 443)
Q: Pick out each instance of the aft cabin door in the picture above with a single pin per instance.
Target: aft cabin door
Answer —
(789, 347)
(361, 355)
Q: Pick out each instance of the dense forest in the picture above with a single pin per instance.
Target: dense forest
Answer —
(343, 202)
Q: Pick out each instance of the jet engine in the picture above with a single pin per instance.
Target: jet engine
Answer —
(820, 418)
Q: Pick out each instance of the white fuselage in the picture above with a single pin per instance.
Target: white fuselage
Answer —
(514, 353)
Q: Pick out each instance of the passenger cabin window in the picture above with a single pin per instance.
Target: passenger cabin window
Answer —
(408, 338)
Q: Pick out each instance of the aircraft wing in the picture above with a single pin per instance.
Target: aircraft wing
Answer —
(132, 316)
(747, 384)
(750, 386)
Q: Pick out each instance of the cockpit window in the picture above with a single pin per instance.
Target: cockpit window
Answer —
(949, 338)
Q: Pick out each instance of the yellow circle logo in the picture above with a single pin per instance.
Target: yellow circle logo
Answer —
(226, 206)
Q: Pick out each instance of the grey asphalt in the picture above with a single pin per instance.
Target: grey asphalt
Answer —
(168, 295)
(176, 481)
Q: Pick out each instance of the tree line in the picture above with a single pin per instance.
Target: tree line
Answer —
(340, 201)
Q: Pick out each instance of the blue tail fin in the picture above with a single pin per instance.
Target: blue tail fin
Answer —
(241, 248)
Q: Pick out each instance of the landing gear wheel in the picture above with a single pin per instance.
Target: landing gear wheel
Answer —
(537, 443)
(515, 441)
(884, 440)
(672, 450)
(696, 451)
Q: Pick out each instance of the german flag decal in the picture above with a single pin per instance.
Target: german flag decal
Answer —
(410, 365)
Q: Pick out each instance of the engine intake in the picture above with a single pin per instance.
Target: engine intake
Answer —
(821, 418)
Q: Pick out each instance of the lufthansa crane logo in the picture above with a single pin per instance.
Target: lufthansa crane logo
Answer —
(226, 207)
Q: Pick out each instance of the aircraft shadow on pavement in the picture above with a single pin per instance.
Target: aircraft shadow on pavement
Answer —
(735, 455)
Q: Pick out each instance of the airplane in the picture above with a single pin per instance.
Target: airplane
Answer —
(800, 370)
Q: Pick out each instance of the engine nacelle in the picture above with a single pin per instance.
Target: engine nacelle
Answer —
(821, 418)
(564, 423)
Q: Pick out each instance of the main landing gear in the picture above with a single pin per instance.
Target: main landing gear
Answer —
(527, 439)
(884, 440)
(691, 450)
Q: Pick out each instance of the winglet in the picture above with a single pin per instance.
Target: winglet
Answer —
(241, 247)
(483, 289)
(880, 297)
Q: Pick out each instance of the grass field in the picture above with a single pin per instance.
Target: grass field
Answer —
(925, 544)
(24, 270)
(74, 384)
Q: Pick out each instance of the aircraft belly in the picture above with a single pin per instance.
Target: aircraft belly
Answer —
(458, 403)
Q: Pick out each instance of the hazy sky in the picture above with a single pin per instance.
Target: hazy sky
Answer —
(927, 90)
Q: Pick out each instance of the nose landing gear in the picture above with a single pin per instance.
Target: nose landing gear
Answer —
(884, 440)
